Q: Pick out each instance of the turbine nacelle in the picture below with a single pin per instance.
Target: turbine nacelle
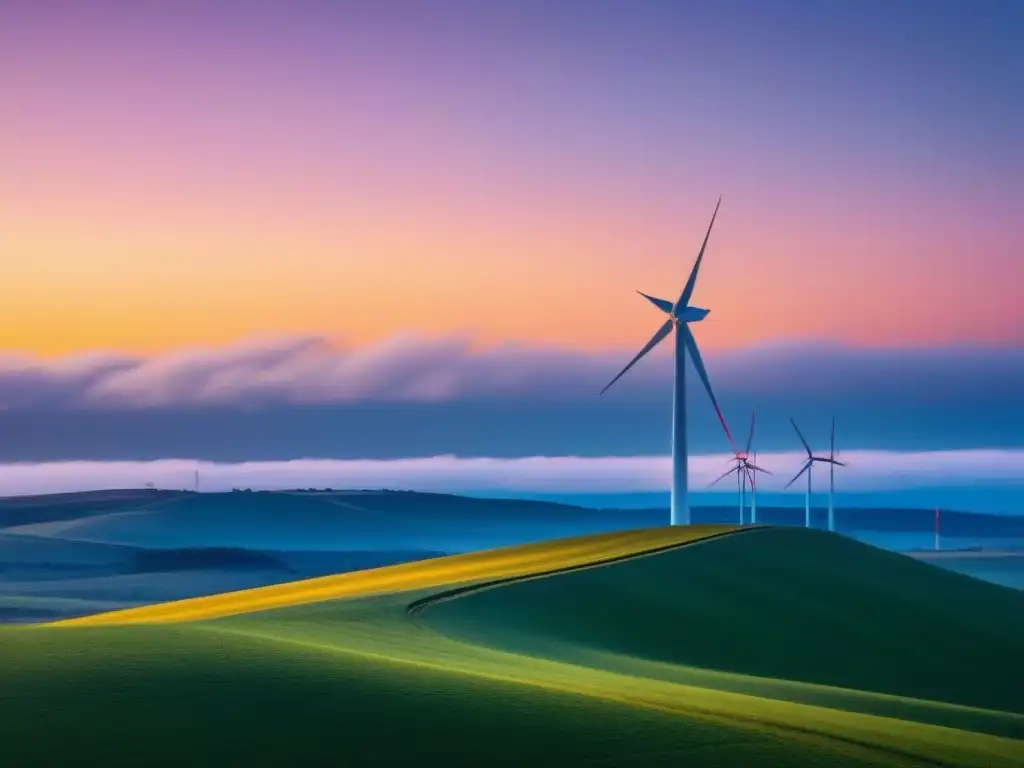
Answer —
(683, 314)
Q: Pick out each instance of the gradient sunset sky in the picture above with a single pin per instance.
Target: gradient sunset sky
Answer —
(180, 173)
(242, 230)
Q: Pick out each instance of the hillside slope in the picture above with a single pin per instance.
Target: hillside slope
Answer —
(445, 661)
(470, 568)
(28, 510)
(790, 604)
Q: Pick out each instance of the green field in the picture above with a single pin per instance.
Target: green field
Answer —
(772, 647)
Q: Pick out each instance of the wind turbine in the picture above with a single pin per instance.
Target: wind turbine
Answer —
(745, 470)
(750, 468)
(753, 490)
(832, 464)
(811, 459)
(741, 485)
(680, 315)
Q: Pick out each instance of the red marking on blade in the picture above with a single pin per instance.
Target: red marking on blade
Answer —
(728, 434)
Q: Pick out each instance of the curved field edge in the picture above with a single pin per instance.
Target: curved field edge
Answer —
(838, 737)
(488, 565)
(843, 735)
(338, 676)
(176, 695)
(208, 695)
(789, 604)
(372, 628)
(891, 713)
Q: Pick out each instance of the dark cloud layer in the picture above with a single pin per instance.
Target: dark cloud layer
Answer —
(297, 397)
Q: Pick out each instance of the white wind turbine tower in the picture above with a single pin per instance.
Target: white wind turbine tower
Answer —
(680, 315)
(811, 459)
(745, 470)
(832, 464)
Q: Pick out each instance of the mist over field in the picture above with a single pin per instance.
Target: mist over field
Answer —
(978, 480)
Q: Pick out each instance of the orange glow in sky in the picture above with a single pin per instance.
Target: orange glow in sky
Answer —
(153, 197)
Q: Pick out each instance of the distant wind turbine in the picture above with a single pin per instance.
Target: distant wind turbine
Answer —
(745, 470)
(750, 468)
(680, 315)
(741, 484)
(832, 464)
(811, 459)
(753, 490)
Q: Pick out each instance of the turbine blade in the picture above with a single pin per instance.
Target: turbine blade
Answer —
(662, 304)
(725, 474)
(698, 363)
(750, 434)
(837, 463)
(756, 468)
(796, 477)
(655, 340)
(684, 297)
(801, 435)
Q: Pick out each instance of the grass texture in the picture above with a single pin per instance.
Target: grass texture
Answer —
(697, 646)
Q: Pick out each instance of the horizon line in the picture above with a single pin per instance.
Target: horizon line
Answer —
(867, 471)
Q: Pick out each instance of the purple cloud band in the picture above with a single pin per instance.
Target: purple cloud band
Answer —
(406, 367)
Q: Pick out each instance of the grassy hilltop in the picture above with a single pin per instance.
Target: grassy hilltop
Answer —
(698, 646)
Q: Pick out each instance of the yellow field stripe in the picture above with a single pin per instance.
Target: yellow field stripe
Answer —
(507, 562)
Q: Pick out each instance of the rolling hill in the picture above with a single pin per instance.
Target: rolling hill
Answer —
(370, 520)
(25, 510)
(381, 519)
(49, 577)
(701, 645)
(75, 554)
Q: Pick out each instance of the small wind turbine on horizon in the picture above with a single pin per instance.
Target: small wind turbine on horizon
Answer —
(833, 463)
(680, 315)
(753, 489)
(807, 467)
(746, 471)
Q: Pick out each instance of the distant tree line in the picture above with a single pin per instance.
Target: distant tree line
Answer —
(319, 490)
(307, 490)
